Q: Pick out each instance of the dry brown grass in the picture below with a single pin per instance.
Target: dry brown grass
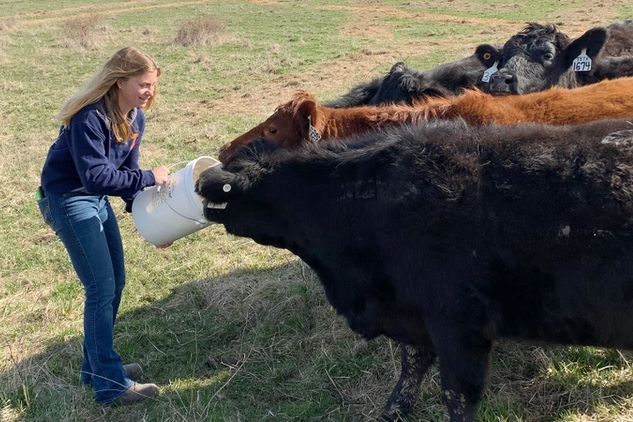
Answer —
(82, 31)
(201, 31)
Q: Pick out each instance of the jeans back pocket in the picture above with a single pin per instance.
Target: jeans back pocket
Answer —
(45, 210)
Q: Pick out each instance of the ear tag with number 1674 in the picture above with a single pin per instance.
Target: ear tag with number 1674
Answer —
(582, 63)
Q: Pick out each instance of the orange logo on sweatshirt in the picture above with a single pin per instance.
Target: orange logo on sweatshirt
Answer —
(134, 136)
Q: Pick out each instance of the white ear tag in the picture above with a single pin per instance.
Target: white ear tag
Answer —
(216, 206)
(314, 134)
(488, 73)
(582, 63)
(226, 188)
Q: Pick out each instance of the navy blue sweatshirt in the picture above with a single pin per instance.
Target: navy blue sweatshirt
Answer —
(86, 159)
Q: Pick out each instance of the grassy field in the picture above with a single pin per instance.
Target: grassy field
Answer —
(230, 330)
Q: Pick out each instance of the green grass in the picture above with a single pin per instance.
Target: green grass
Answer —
(537, 10)
(626, 12)
(230, 330)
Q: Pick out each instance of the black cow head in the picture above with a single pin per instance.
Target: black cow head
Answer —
(401, 85)
(359, 95)
(540, 57)
(217, 187)
(405, 85)
(221, 185)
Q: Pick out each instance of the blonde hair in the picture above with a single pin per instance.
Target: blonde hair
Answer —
(126, 63)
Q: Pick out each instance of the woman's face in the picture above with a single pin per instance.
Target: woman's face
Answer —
(136, 91)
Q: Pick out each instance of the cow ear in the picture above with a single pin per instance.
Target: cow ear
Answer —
(593, 41)
(218, 186)
(307, 117)
(398, 67)
(488, 54)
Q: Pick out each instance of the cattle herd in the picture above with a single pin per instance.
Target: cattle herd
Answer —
(487, 198)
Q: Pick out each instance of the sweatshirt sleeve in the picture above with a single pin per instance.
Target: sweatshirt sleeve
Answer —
(131, 162)
(99, 175)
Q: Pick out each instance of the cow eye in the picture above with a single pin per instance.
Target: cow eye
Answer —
(548, 56)
(272, 130)
(487, 56)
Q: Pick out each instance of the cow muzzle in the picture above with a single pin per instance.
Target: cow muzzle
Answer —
(503, 82)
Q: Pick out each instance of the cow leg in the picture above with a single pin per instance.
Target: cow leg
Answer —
(415, 362)
(464, 364)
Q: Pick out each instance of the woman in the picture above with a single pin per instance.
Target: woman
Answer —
(95, 156)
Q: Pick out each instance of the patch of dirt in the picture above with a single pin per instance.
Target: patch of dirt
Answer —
(366, 26)
(382, 11)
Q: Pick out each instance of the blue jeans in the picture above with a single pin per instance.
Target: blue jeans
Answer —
(88, 228)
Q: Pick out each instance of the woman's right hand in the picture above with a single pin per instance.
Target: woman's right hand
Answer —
(161, 175)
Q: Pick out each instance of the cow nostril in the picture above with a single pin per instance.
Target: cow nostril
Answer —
(503, 78)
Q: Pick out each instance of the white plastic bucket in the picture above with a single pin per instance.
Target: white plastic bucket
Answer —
(166, 213)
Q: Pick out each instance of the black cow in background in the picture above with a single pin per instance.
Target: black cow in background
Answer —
(616, 58)
(447, 237)
(540, 56)
(404, 85)
(361, 94)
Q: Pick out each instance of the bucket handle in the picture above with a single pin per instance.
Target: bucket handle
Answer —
(201, 222)
(178, 163)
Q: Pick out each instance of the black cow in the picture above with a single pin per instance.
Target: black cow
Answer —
(405, 85)
(360, 94)
(447, 237)
(616, 58)
(540, 56)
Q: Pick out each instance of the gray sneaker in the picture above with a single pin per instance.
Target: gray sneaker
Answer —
(133, 371)
(136, 393)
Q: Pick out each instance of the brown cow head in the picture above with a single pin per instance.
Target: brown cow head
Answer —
(290, 126)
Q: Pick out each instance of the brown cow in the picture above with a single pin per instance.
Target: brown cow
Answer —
(303, 119)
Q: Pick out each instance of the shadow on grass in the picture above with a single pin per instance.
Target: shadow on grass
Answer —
(264, 344)
(249, 345)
